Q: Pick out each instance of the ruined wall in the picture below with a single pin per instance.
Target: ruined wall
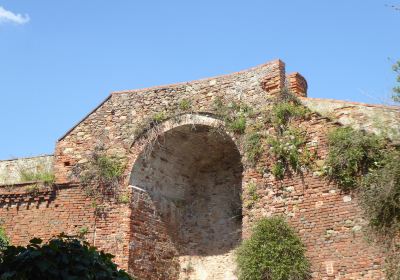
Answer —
(10, 170)
(180, 193)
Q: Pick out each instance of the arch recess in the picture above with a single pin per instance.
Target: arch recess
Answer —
(188, 186)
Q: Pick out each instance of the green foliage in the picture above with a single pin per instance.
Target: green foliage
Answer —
(159, 117)
(61, 258)
(83, 231)
(47, 177)
(273, 251)
(252, 195)
(380, 192)
(278, 170)
(289, 151)
(4, 240)
(253, 147)
(234, 114)
(396, 89)
(351, 154)
(283, 113)
(185, 104)
(100, 175)
(124, 198)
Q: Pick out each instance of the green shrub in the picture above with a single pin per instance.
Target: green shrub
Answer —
(185, 104)
(253, 147)
(159, 117)
(237, 124)
(234, 114)
(273, 251)
(100, 176)
(283, 113)
(278, 170)
(4, 240)
(289, 151)
(351, 154)
(380, 192)
(61, 258)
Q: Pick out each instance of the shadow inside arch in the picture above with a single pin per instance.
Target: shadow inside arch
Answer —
(191, 199)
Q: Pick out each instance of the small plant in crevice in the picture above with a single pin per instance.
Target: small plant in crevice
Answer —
(101, 175)
(273, 251)
(185, 105)
(82, 232)
(123, 198)
(252, 196)
(283, 113)
(233, 113)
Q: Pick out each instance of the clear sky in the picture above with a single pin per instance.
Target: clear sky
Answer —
(60, 59)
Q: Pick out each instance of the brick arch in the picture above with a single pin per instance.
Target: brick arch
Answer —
(187, 188)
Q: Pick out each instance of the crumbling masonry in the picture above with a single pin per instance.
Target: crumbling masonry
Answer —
(185, 216)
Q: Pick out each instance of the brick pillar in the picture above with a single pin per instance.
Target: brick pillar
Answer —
(274, 81)
(297, 84)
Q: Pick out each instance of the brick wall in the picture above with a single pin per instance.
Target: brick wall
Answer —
(140, 233)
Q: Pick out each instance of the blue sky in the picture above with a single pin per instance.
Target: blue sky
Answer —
(59, 59)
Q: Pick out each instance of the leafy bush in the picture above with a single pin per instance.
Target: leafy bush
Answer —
(272, 252)
(289, 151)
(61, 258)
(380, 192)
(4, 240)
(351, 154)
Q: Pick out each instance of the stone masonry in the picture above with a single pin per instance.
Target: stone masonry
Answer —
(185, 215)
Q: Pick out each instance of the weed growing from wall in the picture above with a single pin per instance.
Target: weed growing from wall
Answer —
(253, 147)
(352, 154)
(100, 176)
(234, 114)
(33, 175)
(285, 144)
(289, 151)
(273, 251)
(251, 195)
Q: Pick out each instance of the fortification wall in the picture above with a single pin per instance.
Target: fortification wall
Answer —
(152, 235)
(10, 170)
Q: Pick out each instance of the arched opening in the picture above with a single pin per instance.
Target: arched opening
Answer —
(191, 181)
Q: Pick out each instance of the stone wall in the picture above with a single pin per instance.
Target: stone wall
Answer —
(184, 217)
(10, 170)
